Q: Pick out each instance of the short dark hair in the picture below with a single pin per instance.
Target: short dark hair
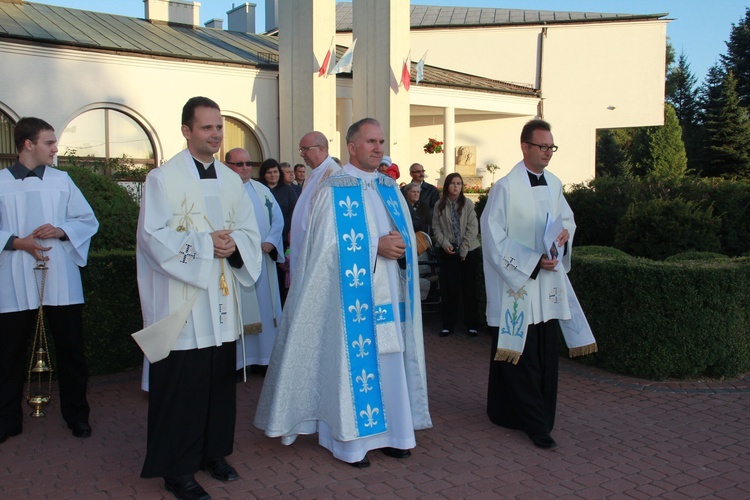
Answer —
(298, 165)
(29, 128)
(354, 128)
(531, 126)
(265, 167)
(188, 110)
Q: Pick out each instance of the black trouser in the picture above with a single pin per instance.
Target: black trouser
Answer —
(524, 396)
(191, 410)
(16, 333)
(458, 277)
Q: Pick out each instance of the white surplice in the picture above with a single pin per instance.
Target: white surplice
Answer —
(513, 226)
(175, 253)
(24, 206)
(258, 346)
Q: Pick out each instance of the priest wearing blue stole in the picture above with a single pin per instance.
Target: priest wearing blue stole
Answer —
(349, 356)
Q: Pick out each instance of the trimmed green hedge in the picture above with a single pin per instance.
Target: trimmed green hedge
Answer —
(680, 319)
(112, 312)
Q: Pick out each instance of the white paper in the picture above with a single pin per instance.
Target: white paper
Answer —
(551, 232)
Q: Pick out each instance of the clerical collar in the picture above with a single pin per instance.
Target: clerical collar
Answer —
(205, 170)
(21, 172)
(536, 179)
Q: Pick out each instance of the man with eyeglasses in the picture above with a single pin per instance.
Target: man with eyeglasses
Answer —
(313, 148)
(529, 297)
(428, 194)
(261, 303)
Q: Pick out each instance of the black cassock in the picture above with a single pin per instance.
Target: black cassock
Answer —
(524, 396)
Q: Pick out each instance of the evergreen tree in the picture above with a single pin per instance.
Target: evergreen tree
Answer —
(658, 152)
(611, 157)
(727, 128)
(666, 150)
(737, 58)
(684, 98)
(669, 60)
(684, 94)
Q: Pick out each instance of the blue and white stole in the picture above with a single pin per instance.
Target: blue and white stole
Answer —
(389, 194)
(356, 297)
(360, 312)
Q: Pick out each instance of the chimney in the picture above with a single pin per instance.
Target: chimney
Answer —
(214, 23)
(242, 18)
(173, 11)
(272, 17)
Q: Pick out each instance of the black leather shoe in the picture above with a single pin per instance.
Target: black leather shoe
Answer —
(185, 488)
(543, 441)
(80, 429)
(221, 470)
(472, 333)
(396, 453)
(6, 434)
(445, 333)
(361, 464)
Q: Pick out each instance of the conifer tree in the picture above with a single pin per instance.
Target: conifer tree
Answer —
(659, 152)
(683, 94)
(727, 128)
(737, 58)
(611, 157)
(666, 150)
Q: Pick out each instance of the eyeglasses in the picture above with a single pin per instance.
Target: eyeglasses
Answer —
(305, 149)
(542, 148)
(240, 163)
(417, 171)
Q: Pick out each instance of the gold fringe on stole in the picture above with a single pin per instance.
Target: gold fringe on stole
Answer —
(507, 355)
(252, 328)
(583, 350)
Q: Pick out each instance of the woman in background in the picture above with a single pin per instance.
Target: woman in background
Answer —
(455, 228)
(270, 176)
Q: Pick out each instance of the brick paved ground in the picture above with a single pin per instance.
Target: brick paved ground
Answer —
(618, 437)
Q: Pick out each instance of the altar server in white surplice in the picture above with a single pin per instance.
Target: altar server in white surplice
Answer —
(198, 241)
(313, 148)
(43, 217)
(529, 296)
(349, 357)
(261, 303)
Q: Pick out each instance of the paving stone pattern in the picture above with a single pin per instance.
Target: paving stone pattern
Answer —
(619, 438)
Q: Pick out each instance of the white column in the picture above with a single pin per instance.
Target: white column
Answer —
(345, 121)
(449, 141)
(307, 102)
(381, 28)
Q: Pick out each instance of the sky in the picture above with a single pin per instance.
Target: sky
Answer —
(699, 28)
